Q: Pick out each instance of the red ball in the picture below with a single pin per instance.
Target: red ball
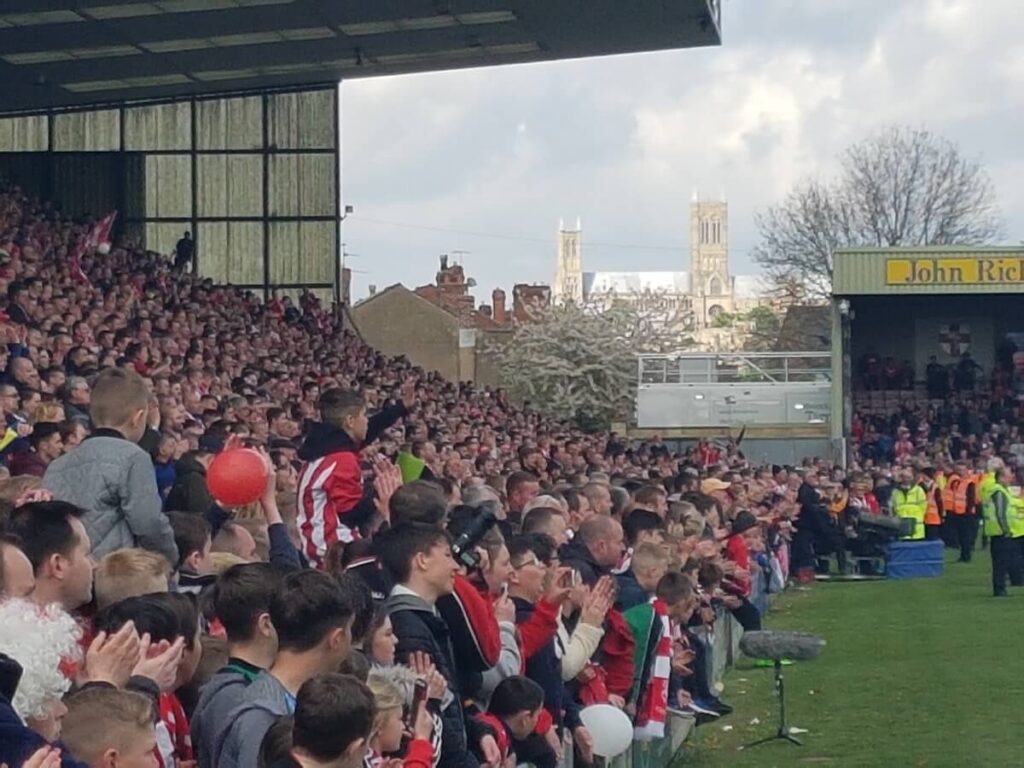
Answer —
(237, 477)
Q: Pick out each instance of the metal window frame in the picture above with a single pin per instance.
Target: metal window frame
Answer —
(265, 152)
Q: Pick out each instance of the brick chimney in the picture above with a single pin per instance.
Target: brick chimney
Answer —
(498, 300)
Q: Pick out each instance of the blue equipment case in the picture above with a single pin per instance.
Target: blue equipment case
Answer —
(914, 559)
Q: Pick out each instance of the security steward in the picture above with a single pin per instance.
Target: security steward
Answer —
(960, 505)
(1000, 521)
(910, 502)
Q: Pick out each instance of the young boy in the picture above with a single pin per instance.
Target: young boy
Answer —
(637, 585)
(192, 538)
(655, 625)
(110, 728)
(314, 629)
(128, 573)
(332, 504)
(110, 476)
(166, 618)
(241, 602)
(334, 717)
(513, 712)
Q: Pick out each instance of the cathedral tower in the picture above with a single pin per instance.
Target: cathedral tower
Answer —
(711, 288)
(568, 284)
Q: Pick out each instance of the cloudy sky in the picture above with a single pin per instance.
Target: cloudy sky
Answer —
(488, 160)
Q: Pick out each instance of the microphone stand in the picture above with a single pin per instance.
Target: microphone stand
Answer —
(783, 733)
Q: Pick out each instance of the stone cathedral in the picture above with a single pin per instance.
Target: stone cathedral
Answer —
(704, 291)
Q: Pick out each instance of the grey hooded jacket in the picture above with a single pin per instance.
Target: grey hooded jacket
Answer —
(113, 480)
(223, 693)
(237, 745)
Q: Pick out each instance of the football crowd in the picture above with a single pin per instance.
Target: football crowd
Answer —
(430, 575)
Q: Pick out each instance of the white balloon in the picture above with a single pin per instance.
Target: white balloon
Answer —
(610, 728)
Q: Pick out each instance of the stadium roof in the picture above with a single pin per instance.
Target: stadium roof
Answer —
(63, 53)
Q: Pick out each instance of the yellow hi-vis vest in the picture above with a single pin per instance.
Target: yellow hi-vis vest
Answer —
(1014, 512)
(1016, 517)
(911, 503)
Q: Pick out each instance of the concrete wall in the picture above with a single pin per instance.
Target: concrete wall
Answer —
(398, 322)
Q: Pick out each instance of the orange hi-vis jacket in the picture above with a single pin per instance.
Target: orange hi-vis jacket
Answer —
(933, 512)
(954, 495)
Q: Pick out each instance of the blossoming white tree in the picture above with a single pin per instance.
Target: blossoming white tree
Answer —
(580, 363)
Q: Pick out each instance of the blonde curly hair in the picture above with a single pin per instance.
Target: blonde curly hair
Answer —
(45, 642)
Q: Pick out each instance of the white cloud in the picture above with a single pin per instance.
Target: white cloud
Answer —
(623, 141)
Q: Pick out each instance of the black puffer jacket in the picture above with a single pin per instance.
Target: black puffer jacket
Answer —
(418, 628)
(576, 555)
(189, 492)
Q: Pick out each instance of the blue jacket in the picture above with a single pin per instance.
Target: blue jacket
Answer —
(545, 669)
(18, 742)
(630, 592)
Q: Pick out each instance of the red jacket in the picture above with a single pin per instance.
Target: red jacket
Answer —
(736, 550)
(332, 501)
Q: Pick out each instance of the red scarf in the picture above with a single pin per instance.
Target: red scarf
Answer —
(173, 742)
(652, 708)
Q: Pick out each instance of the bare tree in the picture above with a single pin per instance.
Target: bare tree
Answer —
(900, 186)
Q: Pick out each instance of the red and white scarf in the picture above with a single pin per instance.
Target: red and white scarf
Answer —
(653, 705)
(173, 741)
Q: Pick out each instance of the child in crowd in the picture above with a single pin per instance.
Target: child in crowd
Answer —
(130, 572)
(389, 727)
(658, 657)
(241, 602)
(110, 728)
(334, 719)
(110, 476)
(166, 619)
(638, 584)
(514, 711)
(192, 538)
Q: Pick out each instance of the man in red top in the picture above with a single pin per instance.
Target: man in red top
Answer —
(332, 503)
(737, 550)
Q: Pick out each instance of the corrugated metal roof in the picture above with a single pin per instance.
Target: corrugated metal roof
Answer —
(928, 270)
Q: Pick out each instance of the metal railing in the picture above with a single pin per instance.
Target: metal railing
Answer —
(749, 368)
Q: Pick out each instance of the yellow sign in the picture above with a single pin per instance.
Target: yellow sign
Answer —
(976, 270)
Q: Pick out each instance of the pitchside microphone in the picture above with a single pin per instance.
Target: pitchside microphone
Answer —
(798, 646)
(778, 646)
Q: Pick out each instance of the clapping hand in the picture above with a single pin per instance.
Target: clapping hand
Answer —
(111, 658)
(409, 393)
(560, 587)
(598, 602)
(387, 478)
(159, 661)
(44, 757)
(422, 665)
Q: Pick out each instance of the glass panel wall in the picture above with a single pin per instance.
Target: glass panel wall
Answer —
(253, 177)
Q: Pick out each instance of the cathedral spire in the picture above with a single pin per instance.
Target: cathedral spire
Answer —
(568, 284)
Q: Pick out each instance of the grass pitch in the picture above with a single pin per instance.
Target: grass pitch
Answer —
(925, 673)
